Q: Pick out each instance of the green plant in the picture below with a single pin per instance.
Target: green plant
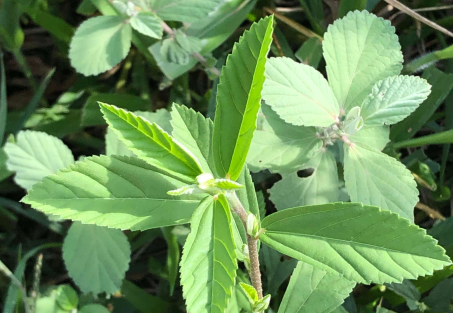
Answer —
(315, 123)
(198, 175)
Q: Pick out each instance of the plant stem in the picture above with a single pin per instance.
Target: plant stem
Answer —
(252, 243)
(17, 283)
(196, 55)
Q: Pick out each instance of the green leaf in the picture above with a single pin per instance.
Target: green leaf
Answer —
(67, 297)
(279, 146)
(183, 10)
(143, 301)
(374, 178)
(96, 258)
(439, 299)
(126, 201)
(310, 52)
(362, 243)
(441, 84)
(36, 155)
(360, 50)
(375, 137)
(239, 98)
(408, 291)
(93, 308)
(4, 172)
(152, 144)
(99, 44)
(434, 139)
(194, 131)
(347, 6)
(173, 256)
(148, 24)
(208, 265)
(247, 195)
(427, 60)
(299, 94)
(393, 99)
(442, 232)
(320, 187)
(250, 292)
(312, 290)
(11, 35)
(114, 146)
(172, 52)
(92, 114)
(3, 101)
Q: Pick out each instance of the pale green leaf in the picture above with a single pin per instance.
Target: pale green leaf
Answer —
(247, 195)
(114, 146)
(148, 24)
(393, 99)
(250, 292)
(360, 49)
(374, 178)
(67, 297)
(194, 131)
(375, 137)
(362, 243)
(183, 10)
(310, 52)
(299, 94)
(36, 155)
(4, 172)
(94, 308)
(152, 144)
(96, 258)
(279, 146)
(99, 44)
(318, 188)
(312, 290)
(114, 192)
(208, 265)
(239, 98)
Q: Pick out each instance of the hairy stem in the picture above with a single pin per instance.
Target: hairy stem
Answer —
(252, 243)
(196, 55)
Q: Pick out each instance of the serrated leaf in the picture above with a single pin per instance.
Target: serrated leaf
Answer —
(114, 146)
(239, 98)
(99, 44)
(312, 290)
(194, 131)
(393, 99)
(208, 265)
(121, 190)
(36, 155)
(148, 24)
(299, 94)
(152, 144)
(250, 292)
(183, 10)
(360, 49)
(4, 172)
(375, 137)
(374, 178)
(318, 188)
(362, 243)
(247, 195)
(96, 258)
(93, 308)
(279, 146)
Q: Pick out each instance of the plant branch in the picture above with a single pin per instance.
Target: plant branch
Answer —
(252, 243)
(196, 55)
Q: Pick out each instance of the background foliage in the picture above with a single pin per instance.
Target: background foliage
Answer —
(59, 58)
